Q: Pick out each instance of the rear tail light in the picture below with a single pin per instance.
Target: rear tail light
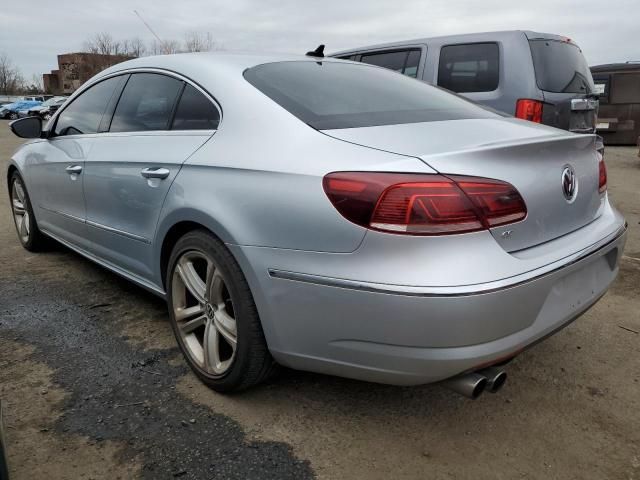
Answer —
(419, 204)
(531, 110)
(602, 177)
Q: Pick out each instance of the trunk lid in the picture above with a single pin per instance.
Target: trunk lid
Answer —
(529, 156)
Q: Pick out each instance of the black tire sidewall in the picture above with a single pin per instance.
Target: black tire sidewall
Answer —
(33, 227)
(244, 308)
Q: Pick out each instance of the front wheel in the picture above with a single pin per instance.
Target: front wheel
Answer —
(213, 315)
(25, 221)
(13, 116)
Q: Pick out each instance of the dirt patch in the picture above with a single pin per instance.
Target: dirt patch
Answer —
(32, 405)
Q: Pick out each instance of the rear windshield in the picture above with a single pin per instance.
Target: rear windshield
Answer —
(331, 95)
(560, 67)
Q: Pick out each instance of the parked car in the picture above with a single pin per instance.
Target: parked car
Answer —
(11, 110)
(618, 85)
(37, 98)
(539, 77)
(325, 215)
(45, 110)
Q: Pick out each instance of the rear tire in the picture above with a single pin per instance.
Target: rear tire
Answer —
(213, 315)
(29, 234)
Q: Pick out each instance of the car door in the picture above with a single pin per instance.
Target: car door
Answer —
(55, 166)
(154, 129)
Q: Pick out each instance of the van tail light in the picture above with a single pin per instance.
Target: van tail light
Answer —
(602, 176)
(531, 110)
(419, 204)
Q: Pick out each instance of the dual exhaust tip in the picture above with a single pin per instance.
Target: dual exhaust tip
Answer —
(472, 385)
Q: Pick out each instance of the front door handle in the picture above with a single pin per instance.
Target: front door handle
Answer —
(155, 173)
(74, 169)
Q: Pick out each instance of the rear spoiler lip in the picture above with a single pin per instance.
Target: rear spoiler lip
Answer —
(552, 138)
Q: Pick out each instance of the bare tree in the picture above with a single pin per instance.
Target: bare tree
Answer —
(104, 44)
(133, 47)
(170, 46)
(195, 41)
(10, 77)
(37, 83)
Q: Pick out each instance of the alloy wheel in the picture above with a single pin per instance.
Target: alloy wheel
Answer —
(203, 311)
(20, 211)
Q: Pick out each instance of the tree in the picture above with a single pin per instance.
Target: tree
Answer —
(104, 44)
(133, 47)
(10, 77)
(198, 41)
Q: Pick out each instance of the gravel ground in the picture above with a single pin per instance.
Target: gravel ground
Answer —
(94, 387)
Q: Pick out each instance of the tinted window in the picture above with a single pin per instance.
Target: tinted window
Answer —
(195, 112)
(625, 88)
(146, 103)
(474, 67)
(560, 67)
(405, 61)
(330, 95)
(83, 115)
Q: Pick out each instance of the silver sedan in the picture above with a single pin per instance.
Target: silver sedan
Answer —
(323, 215)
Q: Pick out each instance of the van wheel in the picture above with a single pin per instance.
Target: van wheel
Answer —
(213, 315)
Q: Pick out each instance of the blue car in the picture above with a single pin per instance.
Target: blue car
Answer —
(10, 110)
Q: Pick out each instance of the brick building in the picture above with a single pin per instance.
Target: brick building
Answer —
(76, 68)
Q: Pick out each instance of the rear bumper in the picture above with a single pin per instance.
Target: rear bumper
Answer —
(413, 335)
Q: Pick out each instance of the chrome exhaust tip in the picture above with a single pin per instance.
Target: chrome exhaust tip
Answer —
(471, 385)
(495, 378)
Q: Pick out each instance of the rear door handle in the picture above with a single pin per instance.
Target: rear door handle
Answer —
(155, 173)
(74, 169)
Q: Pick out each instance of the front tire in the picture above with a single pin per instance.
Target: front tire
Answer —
(13, 116)
(213, 315)
(29, 234)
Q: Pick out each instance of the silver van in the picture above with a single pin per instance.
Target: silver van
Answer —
(539, 77)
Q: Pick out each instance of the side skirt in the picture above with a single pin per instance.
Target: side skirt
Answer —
(109, 266)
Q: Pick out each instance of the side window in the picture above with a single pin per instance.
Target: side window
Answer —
(195, 112)
(625, 88)
(411, 67)
(83, 115)
(474, 67)
(146, 103)
(402, 61)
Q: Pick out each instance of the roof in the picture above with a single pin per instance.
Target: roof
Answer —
(460, 38)
(609, 67)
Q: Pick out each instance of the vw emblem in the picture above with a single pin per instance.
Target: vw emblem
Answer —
(209, 310)
(569, 183)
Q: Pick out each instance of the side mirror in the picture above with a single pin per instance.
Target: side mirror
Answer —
(29, 127)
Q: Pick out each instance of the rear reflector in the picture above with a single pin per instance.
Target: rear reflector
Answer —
(531, 110)
(419, 204)
(602, 177)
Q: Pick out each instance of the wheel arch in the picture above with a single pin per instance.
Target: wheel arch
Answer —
(11, 169)
(175, 226)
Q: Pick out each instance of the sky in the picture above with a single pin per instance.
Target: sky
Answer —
(33, 32)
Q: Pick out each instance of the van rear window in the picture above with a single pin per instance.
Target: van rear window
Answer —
(560, 67)
(331, 94)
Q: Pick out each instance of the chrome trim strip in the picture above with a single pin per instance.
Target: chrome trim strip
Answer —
(67, 215)
(125, 71)
(464, 291)
(103, 263)
(118, 232)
